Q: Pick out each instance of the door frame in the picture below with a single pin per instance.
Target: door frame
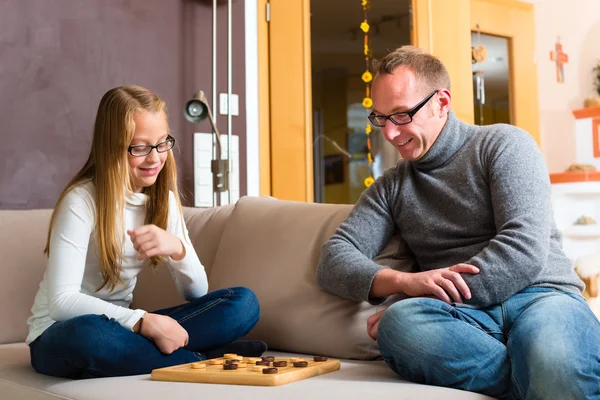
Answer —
(285, 100)
(441, 28)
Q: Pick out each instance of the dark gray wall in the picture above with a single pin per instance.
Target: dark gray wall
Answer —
(57, 59)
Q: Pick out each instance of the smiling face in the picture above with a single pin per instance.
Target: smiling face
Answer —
(150, 128)
(400, 91)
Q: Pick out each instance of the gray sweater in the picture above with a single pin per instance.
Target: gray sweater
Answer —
(480, 195)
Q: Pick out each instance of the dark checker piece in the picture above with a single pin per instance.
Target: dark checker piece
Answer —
(301, 364)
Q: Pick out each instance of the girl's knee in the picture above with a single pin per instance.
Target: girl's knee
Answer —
(246, 297)
(247, 305)
(86, 326)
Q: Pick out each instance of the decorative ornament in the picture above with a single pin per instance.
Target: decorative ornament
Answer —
(581, 168)
(560, 58)
(585, 220)
(479, 53)
(367, 78)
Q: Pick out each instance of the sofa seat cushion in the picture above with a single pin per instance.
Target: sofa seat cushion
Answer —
(355, 380)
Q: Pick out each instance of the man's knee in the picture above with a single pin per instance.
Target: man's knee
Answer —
(558, 371)
(555, 349)
(405, 326)
(410, 311)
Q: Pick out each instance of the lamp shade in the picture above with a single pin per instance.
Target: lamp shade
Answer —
(195, 110)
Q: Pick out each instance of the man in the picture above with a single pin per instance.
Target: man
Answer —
(497, 307)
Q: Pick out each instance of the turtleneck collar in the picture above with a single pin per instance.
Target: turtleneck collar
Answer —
(452, 137)
(135, 199)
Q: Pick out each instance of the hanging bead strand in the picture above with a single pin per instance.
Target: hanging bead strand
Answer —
(367, 77)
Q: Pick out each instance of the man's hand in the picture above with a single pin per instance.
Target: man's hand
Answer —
(150, 241)
(373, 324)
(446, 283)
(166, 333)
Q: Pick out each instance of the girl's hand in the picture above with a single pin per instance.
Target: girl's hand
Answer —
(150, 241)
(166, 333)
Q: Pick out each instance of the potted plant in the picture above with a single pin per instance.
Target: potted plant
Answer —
(597, 77)
(594, 101)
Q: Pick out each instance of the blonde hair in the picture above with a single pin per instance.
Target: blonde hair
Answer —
(430, 72)
(113, 131)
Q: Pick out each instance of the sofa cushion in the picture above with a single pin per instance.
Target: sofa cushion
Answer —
(22, 239)
(273, 247)
(155, 288)
(355, 380)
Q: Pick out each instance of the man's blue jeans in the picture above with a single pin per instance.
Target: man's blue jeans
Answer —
(95, 346)
(539, 344)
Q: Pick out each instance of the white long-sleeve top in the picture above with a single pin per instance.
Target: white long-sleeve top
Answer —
(73, 274)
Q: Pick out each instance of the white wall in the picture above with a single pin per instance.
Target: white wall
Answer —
(577, 22)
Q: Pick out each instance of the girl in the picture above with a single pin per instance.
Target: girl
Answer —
(120, 214)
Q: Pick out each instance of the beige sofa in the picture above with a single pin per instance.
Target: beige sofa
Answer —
(268, 245)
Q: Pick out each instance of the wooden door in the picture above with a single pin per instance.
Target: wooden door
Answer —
(515, 21)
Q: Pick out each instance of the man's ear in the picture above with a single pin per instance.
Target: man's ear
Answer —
(444, 101)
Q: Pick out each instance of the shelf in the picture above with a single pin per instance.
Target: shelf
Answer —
(576, 189)
(582, 232)
(588, 112)
(573, 177)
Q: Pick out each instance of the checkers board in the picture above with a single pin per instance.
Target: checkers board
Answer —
(246, 371)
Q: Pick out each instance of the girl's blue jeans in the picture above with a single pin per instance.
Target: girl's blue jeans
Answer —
(95, 346)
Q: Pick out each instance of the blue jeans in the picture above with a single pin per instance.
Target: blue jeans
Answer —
(539, 344)
(92, 346)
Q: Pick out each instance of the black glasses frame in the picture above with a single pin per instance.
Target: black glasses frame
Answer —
(410, 113)
(170, 139)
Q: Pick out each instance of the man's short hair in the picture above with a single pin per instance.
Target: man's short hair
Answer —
(430, 72)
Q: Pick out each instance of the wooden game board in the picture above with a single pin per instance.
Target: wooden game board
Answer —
(246, 375)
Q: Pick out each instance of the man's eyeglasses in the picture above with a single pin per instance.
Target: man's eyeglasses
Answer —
(401, 118)
(140, 150)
